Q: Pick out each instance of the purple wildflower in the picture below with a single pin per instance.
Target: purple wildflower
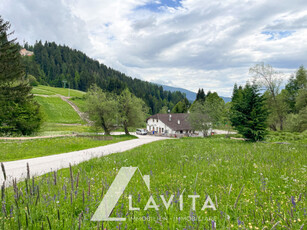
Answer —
(293, 201)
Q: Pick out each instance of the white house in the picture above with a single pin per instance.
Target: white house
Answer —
(171, 124)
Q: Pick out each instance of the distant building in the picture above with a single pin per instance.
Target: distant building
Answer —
(24, 52)
(169, 124)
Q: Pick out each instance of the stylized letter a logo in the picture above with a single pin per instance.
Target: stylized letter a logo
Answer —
(115, 191)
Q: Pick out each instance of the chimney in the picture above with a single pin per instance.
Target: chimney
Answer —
(178, 122)
(170, 117)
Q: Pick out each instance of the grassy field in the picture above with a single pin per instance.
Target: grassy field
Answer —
(48, 129)
(252, 186)
(58, 111)
(47, 90)
(16, 150)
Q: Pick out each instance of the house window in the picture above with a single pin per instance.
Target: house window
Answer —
(162, 130)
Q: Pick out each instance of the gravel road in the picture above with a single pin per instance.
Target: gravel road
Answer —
(41, 165)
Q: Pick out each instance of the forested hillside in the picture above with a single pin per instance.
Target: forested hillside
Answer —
(52, 63)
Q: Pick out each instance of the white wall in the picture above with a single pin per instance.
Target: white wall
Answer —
(156, 124)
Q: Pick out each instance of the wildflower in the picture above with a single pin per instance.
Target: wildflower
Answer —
(213, 224)
(293, 201)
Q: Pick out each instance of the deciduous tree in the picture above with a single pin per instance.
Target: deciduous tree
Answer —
(132, 110)
(199, 118)
(103, 109)
(266, 76)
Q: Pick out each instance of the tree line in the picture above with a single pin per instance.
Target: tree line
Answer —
(252, 113)
(259, 106)
(52, 64)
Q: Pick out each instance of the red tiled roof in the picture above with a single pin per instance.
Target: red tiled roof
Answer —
(173, 122)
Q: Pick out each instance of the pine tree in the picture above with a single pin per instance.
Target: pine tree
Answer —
(200, 96)
(248, 112)
(19, 114)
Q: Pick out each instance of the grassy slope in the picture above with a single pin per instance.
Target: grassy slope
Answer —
(16, 150)
(58, 111)
(274, 177)
(80, 102)
(47, 90)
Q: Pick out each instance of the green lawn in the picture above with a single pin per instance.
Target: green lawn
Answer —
(16, 150)
(58, 111)
(48, 90)
(274, 179)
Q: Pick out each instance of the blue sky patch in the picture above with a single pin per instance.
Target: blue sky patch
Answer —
(276, 35)
(158, 5)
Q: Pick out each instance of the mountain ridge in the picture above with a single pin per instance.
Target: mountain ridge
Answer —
(191, 96)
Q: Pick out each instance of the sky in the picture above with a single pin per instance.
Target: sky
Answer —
(182, 43)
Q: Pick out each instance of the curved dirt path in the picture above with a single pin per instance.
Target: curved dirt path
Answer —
(82, 115)
(41, 165)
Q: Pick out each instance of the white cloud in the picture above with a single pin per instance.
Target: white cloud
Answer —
(207, 44)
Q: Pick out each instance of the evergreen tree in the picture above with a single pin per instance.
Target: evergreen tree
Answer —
(19, 113)
(248, 112)
(201, 96)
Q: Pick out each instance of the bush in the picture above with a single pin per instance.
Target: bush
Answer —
(296, 122)
(32, 80)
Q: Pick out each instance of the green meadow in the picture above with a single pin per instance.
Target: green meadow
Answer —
(251, 185)
(24, 149)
